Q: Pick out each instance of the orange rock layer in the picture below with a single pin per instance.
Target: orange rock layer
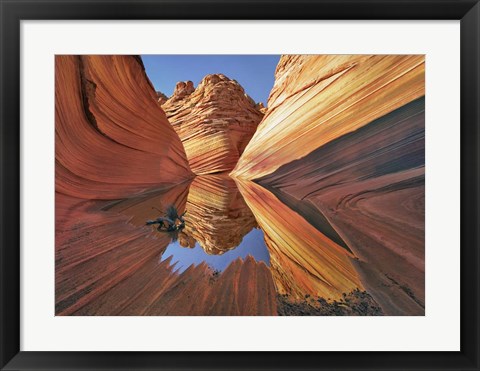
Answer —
(215, 122)
(112, 138)
(318, 98)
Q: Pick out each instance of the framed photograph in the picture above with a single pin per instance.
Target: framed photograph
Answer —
(237, 185)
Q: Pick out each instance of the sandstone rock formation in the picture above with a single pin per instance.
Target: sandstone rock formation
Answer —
(151, 205)
(182, 89)
(217, 216)
(371, 186)
(334, 175)
(342, 144)
(316, 99)
(99, 244)
(112, 138)
(215, 122)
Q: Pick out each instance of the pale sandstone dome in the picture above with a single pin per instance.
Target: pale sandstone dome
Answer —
(215, 121)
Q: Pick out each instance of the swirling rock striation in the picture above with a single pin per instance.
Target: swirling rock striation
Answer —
(215, 122)
(151, 205)
(370, 184)
(343, 145)
(112, 138)
(318, 98)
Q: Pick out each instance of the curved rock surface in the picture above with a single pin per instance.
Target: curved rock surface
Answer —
(370, 184)
(151, 205)
(334, 175)
(318, 98)
(215, 122)
(112, 138)
(343, 145)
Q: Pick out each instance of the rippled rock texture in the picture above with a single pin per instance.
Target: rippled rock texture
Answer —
(112, 138)
(342, 149)
(215, 122)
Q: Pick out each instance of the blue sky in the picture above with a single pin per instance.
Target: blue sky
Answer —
(254, 72)
(253, 243)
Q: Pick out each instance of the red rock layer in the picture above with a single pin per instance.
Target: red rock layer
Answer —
(370, 184)
(107, 265)
(318, 98)
(112, 138)
(303, 260)
(217, 216)
(215, 122)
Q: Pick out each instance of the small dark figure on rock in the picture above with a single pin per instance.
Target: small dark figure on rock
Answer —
(171, 222)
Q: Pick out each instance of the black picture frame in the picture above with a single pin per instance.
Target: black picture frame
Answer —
(13, 11)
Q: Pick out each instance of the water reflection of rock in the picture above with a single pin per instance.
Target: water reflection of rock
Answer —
(107, 263)
(303, 260)
(217, 216)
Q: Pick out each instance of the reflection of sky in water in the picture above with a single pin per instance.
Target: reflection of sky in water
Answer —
(252, 244)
